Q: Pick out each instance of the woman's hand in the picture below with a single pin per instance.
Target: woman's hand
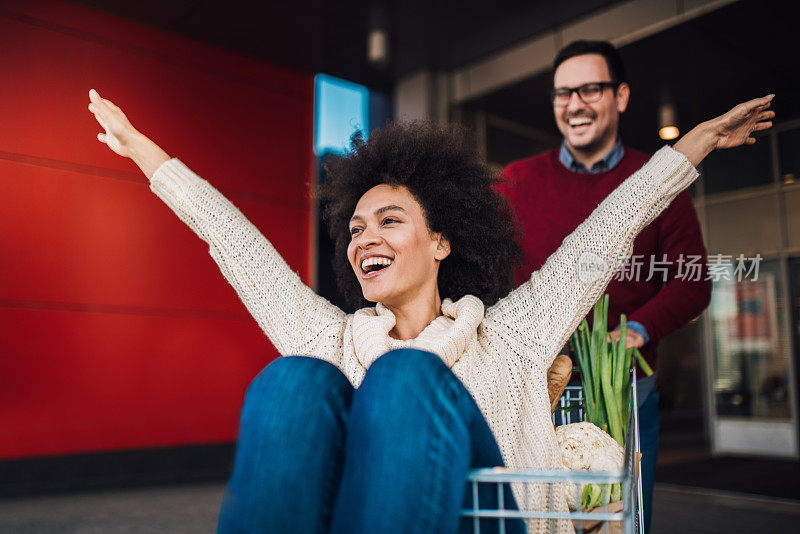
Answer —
(123, 138)
(119, 131)
(736, 126)
(730, 130)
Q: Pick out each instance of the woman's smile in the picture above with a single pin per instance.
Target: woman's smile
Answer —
(374, 265)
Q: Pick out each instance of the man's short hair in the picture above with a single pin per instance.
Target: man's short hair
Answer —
(578, 48)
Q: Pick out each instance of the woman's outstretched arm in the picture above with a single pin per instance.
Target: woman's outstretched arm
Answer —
(296, 320)
(543, 312)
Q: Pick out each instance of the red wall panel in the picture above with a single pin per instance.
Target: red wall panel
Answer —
(117, 329)
(113, 242)
(246, 135)
(77, 381)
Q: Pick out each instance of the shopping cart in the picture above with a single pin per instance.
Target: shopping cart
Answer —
(569, 411)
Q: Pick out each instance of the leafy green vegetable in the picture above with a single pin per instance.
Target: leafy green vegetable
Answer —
(600, 495)
(592, 495)
(605, 369)
(642, 362)
(616, 492)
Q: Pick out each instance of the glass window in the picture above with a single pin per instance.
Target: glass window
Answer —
(747, 166)
(751, 361)
(794, 279)
(694, 190)
(789, 147)
(679, 377)
(681, 403)
(340, 109)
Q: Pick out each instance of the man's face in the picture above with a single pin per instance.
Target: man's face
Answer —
(593, 125)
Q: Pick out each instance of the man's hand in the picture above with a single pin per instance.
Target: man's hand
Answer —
(121, 137)
(633, 339)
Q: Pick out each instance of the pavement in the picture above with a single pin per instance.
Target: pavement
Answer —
(193, 509)
(687, 510)
(174, 510)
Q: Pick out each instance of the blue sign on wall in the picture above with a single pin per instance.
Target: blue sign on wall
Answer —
(340, 109)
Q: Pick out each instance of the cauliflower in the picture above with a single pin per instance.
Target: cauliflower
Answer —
(584, 446)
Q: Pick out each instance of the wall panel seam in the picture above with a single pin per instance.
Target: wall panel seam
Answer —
(137, 177)
(88, 307)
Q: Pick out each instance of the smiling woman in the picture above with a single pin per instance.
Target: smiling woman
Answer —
(383, 234)
(417, 193)
(375, 421)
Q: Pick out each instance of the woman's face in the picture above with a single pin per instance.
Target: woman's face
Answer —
(392, 252)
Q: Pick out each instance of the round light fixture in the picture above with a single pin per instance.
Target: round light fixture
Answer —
(667, 122)
(668, 132)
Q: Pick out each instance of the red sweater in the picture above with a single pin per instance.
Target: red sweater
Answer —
(550, 201)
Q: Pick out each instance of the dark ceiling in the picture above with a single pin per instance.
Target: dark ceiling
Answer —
(330, 36)
(741, 51)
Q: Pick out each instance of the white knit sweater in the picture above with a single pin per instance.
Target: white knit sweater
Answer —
(501, 354)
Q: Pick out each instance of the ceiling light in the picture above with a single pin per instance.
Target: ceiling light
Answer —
(667, 122)
(378, 36)
(378, 46)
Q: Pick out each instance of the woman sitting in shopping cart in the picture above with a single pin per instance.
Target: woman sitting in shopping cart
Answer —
(374, 422)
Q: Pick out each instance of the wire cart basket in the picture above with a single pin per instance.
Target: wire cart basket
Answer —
(570, 410)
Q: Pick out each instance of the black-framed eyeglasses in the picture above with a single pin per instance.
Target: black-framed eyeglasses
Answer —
(588, 92)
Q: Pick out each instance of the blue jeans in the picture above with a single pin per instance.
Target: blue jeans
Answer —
(316, 455)
(648, 439)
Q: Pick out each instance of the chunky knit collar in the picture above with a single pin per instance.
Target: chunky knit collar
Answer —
(447, 336)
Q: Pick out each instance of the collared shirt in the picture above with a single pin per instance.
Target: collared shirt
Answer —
(606, 164)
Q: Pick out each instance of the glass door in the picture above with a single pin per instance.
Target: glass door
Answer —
(752, 378)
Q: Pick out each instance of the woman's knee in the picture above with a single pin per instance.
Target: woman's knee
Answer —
(289, 375)
(404, 369)
(407, 361)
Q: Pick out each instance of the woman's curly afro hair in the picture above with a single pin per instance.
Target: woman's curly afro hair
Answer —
(439, 167)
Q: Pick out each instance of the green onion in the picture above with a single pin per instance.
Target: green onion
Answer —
(605, 368)
(610, 397)
(643, 363)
